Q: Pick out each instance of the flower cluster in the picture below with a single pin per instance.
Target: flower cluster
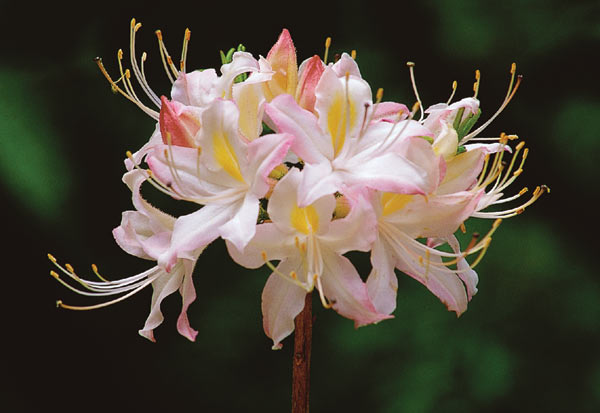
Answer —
(296, 165)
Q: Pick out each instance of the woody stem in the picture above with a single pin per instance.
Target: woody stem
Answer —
(301, 358)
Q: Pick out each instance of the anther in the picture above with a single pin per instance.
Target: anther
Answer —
(70, 268)
(51, 258)
(520, 145)
(327, 46)
(379, 95)
(59, 303)
(463, 228)
(353, 54)
(54, 274)
(524, 190)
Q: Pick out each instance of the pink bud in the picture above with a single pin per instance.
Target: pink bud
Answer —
(178, 125)
(310, 76)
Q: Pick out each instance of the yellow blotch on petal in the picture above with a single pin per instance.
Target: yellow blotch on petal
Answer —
(394, 202)
(305, 220)
(337, 120)
(225, 156)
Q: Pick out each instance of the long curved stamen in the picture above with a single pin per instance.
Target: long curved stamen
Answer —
(115, 87)
(170, 69)
(411, 68)
(512, 89)
(134, 65)
(129, 286)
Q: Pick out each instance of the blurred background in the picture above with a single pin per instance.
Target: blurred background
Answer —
(530, 339)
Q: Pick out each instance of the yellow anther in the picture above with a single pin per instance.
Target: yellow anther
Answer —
(327, 46)
(188, 34)
(513, 68)
(263, 255)
(54, 274)
(477, 74)
(522, 191)
(94, 268)
(525, 153)
(415, 107)
(137, 27)
(127, 74)
(379, 94)
(133, 22)
(463, 228)
(294, 275)
(454, 85)
(520, 145)
(496, 223)
(70, 268)
(51, 258)
(120, 54)
(353, 54)
(159, 35)
(59, 303)
(129, 154)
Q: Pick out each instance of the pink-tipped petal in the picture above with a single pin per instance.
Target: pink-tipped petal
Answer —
(178, 123)
(312, 70)
(282, 58)
(347, 292)
(188, 295)
(163, 286)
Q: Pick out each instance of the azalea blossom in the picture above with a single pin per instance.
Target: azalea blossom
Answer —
(310, 247)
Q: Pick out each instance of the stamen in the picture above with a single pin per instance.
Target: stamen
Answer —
(292, 277)
(186, 40)
(327, 305)
(411, 67)
(476, 84)
(166, 59)
(95, 271)
(454, 87)
(509, 95)
(327, 46)
(353, 54)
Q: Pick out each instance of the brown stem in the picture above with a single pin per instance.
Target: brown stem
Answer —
(301, 358)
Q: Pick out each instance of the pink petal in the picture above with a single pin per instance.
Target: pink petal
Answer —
(282, 58)
(188, 295)
(310, 143)
(163, 286)
(310, 75)
(348, 293)
(178, 122)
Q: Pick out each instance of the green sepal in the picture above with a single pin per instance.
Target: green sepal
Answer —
(460, 149)
(468, 124)
(458, 118)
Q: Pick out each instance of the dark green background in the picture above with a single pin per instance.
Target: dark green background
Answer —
(529, 341)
